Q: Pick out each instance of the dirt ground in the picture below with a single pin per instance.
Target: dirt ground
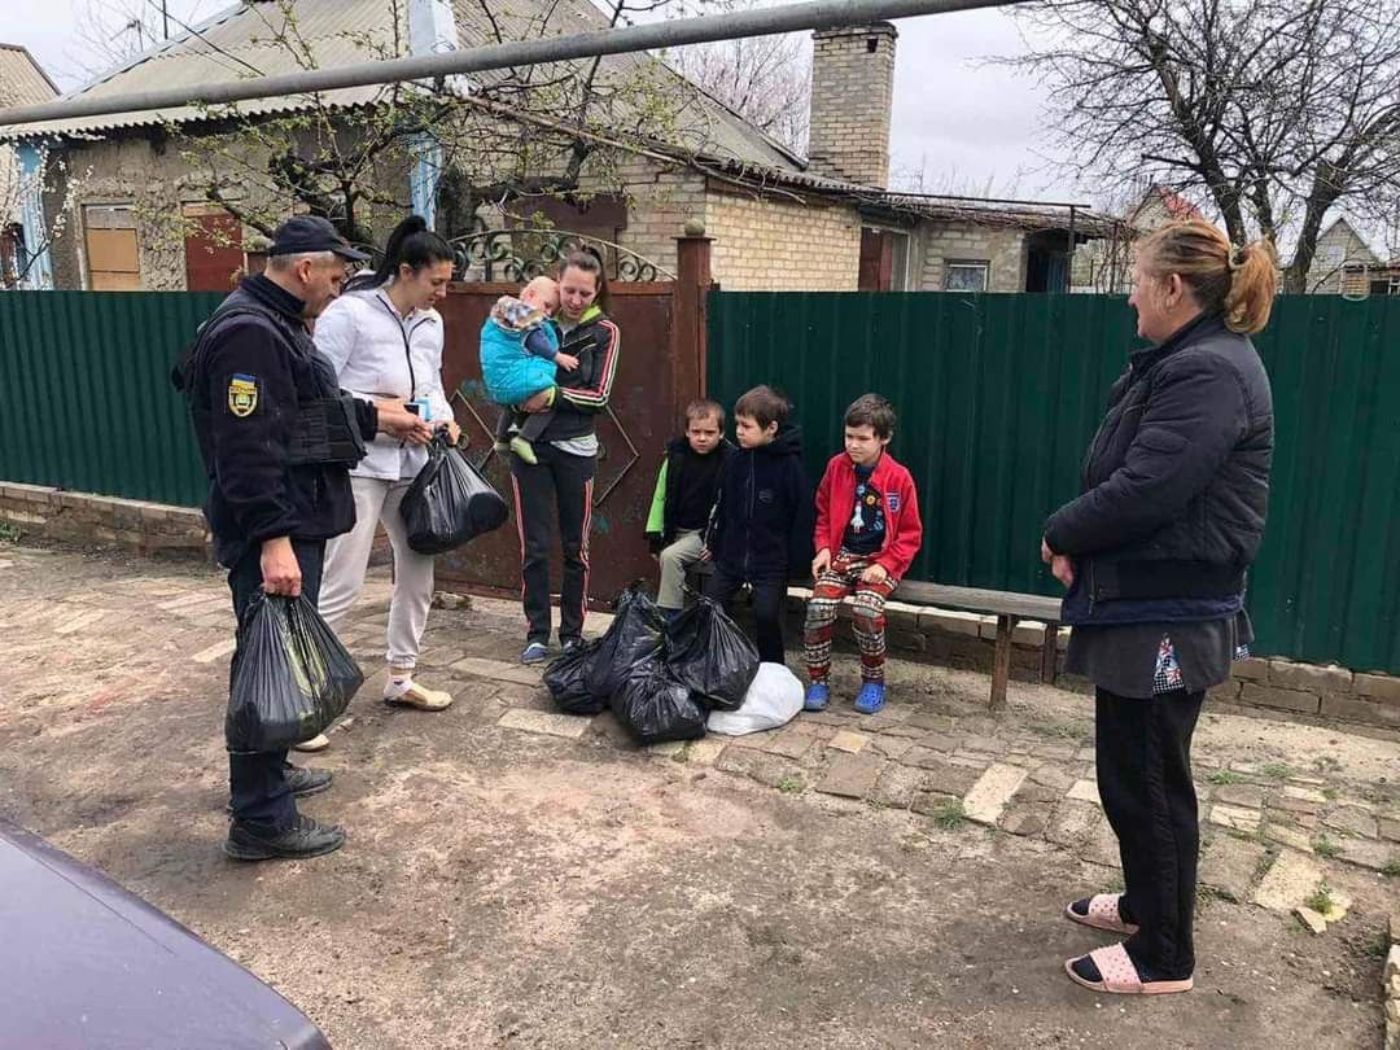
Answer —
(509, 888)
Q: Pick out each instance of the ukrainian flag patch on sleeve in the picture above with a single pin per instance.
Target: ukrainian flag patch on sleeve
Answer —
(243, 395)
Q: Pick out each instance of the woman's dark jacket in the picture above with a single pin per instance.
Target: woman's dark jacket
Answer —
(1175, 486)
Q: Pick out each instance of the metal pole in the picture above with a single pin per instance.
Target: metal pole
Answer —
(816, 14)
(164, 20)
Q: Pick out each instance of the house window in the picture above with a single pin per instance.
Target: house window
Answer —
(966, 275)
(113, 255)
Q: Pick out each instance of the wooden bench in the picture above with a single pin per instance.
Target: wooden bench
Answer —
(1008, 607)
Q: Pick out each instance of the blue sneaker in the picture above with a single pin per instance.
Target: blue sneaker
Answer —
(818, 695)
(535, 653)
(870, 698)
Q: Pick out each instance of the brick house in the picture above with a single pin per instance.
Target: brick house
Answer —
(779, 221)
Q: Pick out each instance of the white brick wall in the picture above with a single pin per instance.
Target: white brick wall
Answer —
(780, 245)
(1003, 249)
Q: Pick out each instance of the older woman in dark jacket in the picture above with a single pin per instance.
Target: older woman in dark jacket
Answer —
(1175, 491)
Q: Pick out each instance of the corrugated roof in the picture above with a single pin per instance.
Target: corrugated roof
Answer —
(1022, 215)
(238, 42)
(241, 41)
(22, 81)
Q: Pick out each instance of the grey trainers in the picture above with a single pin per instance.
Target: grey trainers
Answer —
(535, 653)
(305, 838)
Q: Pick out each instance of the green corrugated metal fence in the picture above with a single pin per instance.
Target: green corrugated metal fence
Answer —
(85, 399)
(998, 396)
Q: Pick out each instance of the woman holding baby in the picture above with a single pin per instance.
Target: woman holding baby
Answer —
(565, 450)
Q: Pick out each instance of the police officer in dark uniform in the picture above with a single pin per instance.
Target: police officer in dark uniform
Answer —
(278, 437)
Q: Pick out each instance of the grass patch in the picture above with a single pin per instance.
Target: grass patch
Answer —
(1322, 900)
(1071, 731)
(950, 815)
(1330, 794)
(1248, 836)
(1264, 863)
(683, 755)
(791, 784)
(1226, 776)
(1327, 764)
(1392, 868)
(1325, 847)
(9, 533)
(877, 803)
(1276, 770)
(1378, 945)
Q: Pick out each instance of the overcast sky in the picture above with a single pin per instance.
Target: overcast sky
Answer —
(971, 128)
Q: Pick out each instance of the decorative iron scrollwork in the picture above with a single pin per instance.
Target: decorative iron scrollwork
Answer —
(522, 254)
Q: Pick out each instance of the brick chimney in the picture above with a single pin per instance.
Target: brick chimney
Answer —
(852, 94)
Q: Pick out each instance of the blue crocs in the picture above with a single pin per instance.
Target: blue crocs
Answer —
(818, 696)
(870, 698)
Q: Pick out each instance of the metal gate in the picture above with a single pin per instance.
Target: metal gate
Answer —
(660, 368)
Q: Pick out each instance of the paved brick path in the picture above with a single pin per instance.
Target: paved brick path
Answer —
(1287, 809)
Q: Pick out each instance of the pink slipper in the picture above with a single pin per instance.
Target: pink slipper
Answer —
(1101, 914)
(1118, 975)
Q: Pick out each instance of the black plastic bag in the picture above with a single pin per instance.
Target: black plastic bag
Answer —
(566, 678)
(449, 502)
(706, 650)
(653, 706)
(637, 632)
(292, 678)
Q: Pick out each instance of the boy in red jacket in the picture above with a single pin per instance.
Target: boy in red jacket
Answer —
(868, 532)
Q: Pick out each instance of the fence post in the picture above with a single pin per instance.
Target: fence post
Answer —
(693, 282)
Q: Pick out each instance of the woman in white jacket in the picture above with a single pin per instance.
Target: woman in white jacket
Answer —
(384, 336)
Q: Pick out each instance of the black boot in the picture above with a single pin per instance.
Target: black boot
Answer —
(307, 782)
(305, 838)
(303, 782)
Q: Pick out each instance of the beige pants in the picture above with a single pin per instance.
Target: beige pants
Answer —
(347, 559)
(676, 561)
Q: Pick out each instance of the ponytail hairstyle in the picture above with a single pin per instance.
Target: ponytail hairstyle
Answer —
(1238, 282)
(589, 261)
(411, 243)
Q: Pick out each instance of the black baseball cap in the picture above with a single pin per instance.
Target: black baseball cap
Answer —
(311, 233)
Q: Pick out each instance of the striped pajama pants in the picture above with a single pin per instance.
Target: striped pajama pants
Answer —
(840, 580)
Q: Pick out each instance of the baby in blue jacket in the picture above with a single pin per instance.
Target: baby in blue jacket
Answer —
(519, 361)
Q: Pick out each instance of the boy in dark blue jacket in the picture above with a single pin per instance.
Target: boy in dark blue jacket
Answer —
(762, 524)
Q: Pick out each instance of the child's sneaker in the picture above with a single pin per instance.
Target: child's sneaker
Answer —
(523, 450)
(818, 696)
(870, 698)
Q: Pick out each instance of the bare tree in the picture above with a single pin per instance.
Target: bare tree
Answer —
(924, 177)
(766, 80)
(1278, 111)
(18, 187)
(512, 136)
(109, 33)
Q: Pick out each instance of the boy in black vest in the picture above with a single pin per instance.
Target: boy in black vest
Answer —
(685, 496)
(762, 525)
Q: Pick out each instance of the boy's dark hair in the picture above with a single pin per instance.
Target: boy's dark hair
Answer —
(872, 410)
(765, 406)
(704, 408)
